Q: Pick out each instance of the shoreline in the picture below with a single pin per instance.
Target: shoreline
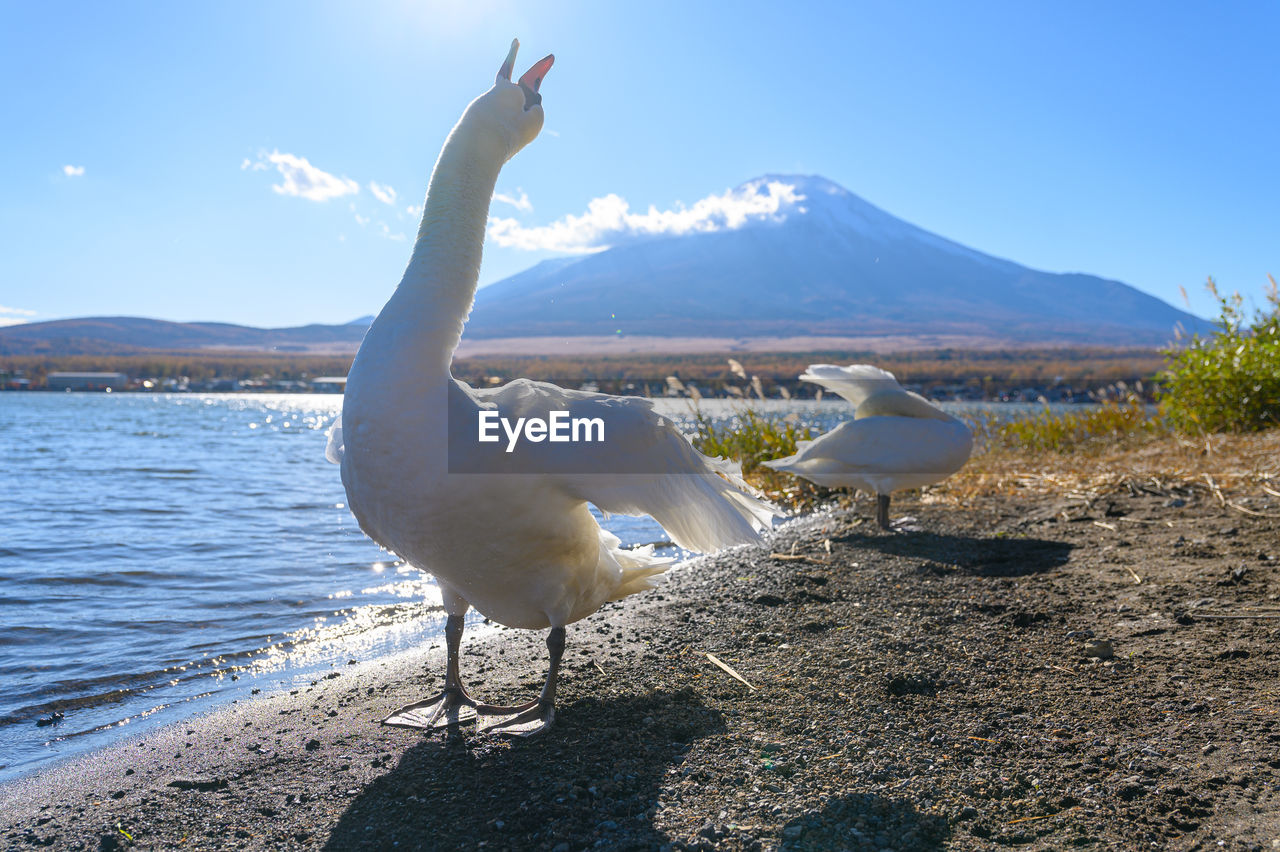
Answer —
(924, 689)
(175, 711)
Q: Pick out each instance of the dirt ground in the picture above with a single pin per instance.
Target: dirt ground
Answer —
(1030, 670)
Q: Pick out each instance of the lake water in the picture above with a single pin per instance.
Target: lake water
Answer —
(160, 554)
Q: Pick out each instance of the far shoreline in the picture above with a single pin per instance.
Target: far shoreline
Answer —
(945, 372)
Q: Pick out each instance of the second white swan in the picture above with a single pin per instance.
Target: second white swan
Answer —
(896, 439)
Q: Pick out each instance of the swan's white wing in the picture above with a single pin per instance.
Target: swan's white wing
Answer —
(855, 382)
(893, 452)
(644, 465)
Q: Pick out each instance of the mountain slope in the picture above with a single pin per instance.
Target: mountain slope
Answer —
(827, 264)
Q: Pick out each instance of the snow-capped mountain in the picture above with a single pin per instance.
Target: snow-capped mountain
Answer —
(822, 261)
(782, 256)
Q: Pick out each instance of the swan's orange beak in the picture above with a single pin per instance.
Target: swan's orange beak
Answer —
(532, 78)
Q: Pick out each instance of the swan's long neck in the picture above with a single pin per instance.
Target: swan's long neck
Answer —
(439, 284)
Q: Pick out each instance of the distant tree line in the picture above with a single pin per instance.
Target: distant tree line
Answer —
(981, 372)
(198, 367)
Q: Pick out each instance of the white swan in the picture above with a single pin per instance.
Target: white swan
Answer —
(896, 438)
(507, 533)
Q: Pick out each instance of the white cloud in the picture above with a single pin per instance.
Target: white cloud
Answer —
(14, 316)
(522, 203)
(259, 166)
(362, 220)
(386, 232)
(413, 211)
(609, 220)
(303, 180)
(73, 171)
(385, 194)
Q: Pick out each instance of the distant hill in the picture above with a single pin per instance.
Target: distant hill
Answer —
(828, 264)
(128, 335)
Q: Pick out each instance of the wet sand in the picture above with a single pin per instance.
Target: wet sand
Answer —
(1038, 672)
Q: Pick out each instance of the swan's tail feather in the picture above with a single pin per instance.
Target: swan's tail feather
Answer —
(639, 566)
(633, 568)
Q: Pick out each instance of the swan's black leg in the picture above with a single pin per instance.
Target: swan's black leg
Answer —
(538, 716)
(452, 705)
(882, 511)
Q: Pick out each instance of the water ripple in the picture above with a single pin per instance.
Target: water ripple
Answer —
(165, 551)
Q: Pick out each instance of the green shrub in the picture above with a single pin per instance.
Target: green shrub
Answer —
(1229, 382)
(1112, 422)
(752, 438)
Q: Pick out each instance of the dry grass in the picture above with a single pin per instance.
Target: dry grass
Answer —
(1240, 471)
(1236, 470)
(1120, 445)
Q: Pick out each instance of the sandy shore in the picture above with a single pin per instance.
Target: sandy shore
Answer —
(1032, 672)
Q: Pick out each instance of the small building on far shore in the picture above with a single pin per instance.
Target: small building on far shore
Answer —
(86, 381)
(329, 384)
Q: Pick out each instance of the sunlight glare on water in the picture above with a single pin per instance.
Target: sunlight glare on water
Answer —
(162, 551)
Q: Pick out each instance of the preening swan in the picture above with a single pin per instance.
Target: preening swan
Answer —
(895, 440)
(509, 533)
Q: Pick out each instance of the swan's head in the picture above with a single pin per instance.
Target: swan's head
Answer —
(512, 112)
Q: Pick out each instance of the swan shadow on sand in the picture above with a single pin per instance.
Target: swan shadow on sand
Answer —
(983, 556)
(596, 779)
(886, 823)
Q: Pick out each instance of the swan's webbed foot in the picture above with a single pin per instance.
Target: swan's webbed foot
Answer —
(536, 716)
(532, 720)
(453, 706)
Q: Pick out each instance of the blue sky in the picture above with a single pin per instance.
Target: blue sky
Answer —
(143, 141)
